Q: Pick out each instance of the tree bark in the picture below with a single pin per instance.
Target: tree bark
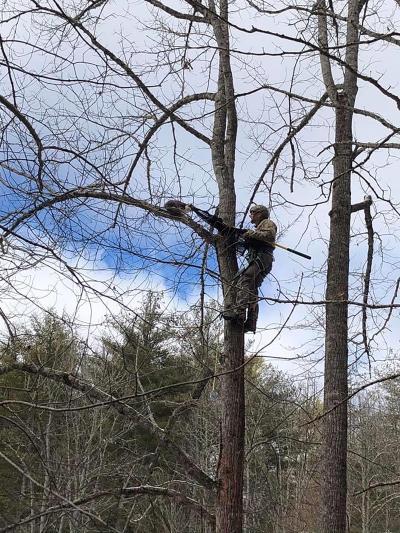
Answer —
(229, 511)
(231, 460)
(334, 475)
(334, 449)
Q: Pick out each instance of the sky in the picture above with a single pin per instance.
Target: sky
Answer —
(72, 112)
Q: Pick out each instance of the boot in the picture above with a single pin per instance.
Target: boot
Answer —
(249, 326)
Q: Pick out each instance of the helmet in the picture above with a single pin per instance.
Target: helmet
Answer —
(260, 209)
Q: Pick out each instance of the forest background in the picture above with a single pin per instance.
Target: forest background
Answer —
(127, 404)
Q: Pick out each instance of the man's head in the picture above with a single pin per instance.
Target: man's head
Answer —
(258, 213)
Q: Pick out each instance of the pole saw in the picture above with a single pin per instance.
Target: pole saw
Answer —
(178, 208)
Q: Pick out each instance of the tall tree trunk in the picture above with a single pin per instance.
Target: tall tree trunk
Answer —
(229, 512)
(230, 470)
(336, 353)
(334, 450)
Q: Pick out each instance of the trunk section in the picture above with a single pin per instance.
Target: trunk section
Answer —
(334, 461)
(230, 468)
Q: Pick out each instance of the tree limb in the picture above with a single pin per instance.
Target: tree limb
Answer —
(122, 408)
(143, 490)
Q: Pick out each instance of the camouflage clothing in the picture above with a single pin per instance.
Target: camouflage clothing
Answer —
(251, 278)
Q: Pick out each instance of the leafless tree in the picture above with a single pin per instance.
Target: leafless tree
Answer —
(99, 128)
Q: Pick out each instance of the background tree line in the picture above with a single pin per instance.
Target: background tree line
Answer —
(65, 447)
(71, 463)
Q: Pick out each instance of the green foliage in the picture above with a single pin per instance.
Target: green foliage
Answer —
(30, 437)
(145, 358)
(143, 355)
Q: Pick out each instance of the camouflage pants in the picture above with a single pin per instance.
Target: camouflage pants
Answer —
(249, 282)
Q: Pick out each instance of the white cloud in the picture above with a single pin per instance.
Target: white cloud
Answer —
(88, 296)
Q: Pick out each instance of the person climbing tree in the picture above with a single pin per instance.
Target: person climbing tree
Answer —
(259, 245)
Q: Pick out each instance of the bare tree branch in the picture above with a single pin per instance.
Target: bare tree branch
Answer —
(129, 492)
(93, 392)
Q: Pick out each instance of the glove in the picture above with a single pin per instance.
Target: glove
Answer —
(249, 234)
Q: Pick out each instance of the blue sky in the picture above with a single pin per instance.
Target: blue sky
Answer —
(263, 123)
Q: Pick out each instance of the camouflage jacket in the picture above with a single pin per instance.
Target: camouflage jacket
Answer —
(264, 232)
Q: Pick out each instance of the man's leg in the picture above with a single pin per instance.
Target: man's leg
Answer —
(247, 288)
(253, 308)
(252, 316)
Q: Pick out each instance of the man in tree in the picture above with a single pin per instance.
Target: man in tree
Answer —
(260, 246)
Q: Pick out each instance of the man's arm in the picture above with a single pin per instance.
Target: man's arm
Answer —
(265, 231)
